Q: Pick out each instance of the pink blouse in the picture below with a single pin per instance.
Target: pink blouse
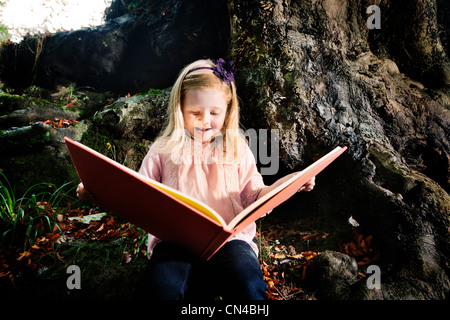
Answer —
(227, 188)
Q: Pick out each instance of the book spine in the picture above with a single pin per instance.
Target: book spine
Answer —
(219, 240)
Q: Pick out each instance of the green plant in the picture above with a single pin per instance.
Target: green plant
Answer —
(7, 201)
(4, 33)
(154, 91)
(23, 219)
(72, 93)
(111, 151)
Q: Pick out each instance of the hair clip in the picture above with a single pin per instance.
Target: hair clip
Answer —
(223, 70)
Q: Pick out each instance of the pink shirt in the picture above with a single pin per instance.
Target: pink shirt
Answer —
(227, 188)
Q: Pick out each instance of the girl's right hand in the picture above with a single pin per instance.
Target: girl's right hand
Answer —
(83, 194)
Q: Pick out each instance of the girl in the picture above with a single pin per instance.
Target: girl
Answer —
(203, 153)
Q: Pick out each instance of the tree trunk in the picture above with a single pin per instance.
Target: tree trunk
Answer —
(314, 71)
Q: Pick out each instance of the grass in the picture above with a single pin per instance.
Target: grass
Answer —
(23, 219)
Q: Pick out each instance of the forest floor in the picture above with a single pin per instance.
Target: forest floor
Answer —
(282, 265)
(285, 252)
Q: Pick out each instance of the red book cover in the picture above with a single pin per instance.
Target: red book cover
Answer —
(165, 212)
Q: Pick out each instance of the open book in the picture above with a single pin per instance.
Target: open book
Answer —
(169, 214)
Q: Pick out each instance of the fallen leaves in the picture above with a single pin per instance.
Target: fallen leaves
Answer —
(315, 235)
(283, 267)
(287, 252)
(361, 248)
(127, 257)
(285, 273)
(71, 225)
(95, 226)
(60, 123)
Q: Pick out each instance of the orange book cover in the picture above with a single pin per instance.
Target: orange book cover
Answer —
(169, 214)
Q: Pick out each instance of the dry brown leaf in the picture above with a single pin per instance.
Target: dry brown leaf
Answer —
(126, 257)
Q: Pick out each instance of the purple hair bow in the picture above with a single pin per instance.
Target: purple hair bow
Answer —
(223, 70)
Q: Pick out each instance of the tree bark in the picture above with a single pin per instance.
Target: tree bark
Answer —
(314, 71)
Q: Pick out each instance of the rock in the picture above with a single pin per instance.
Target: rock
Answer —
(129, 125)
(332, 275)
(29, 115)
(33, 152)
(37, 154)
(144, 48)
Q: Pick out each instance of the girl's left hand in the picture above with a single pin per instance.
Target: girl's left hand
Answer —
(309, 185)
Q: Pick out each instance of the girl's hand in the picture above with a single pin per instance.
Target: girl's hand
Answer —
(83, 194)
(309, 185)
(306, 187)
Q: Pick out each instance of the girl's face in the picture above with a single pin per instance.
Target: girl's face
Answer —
(204, 112)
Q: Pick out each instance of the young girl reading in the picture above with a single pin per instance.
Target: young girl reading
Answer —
(202, 153)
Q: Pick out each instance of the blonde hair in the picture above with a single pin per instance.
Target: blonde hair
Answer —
(174, 137)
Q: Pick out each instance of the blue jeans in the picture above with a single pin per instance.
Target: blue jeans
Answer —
(232, 273)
